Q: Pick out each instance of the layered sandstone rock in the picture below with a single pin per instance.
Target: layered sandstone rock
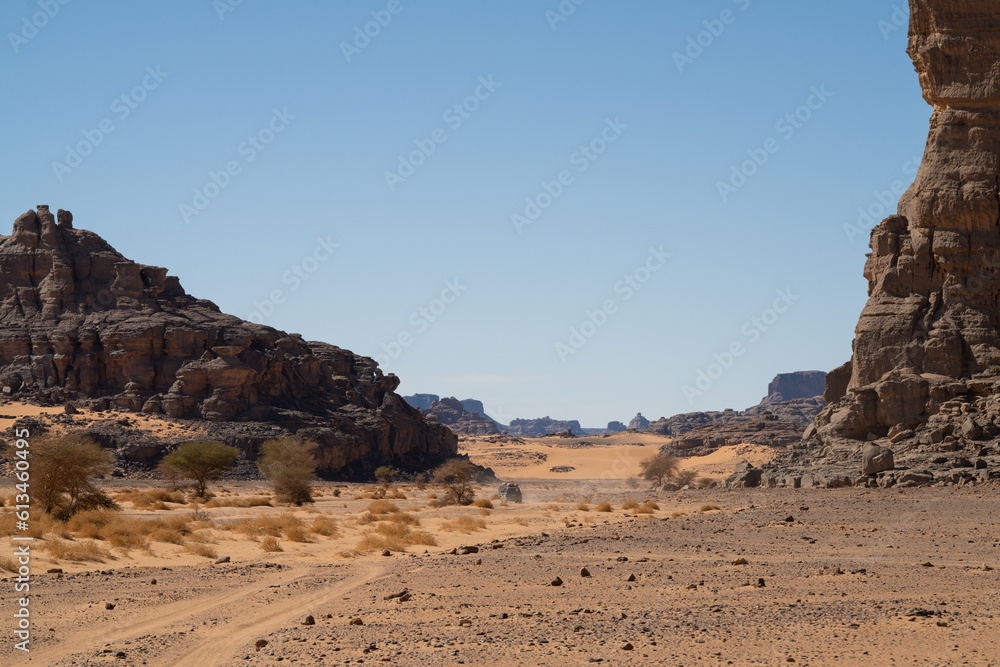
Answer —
(924, 378)
(929, 336)
(452, 413)
(78, 321)
(536, 428)
(789, 386)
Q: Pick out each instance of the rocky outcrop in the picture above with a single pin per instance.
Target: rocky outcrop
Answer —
(536, 428)
(78, 321)
(924, 377)
(421, 401)
(800, 384)
(638, 423)
(800, 411)
(615, 427)
(452, 413)
(765, 429)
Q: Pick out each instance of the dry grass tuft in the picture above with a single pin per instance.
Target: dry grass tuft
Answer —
(382, 507)
(708, 508)
(270, 544)
(646, 508)
(464, 524)
(603, 507)
(674, 515)
(324, 525)
(485, 504)
(251, 501)
(582, 507)
(151, 499)
(629, 505)
(199, 549)
(394, 537)
(86, 551)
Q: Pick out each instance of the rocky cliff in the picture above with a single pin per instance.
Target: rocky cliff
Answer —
(452, 413)
(536, 428)
(80, 322)
(789, 386)
(924, 377)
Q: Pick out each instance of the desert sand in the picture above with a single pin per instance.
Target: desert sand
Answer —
(754, 577)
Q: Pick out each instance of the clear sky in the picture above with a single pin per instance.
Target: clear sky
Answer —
(464, 187)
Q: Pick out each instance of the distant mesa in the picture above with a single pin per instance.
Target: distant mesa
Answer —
(615, 427)
(80, 322)
(421, 401)
(638, 423)
(452, 413)
(801, 384)
(537, 428)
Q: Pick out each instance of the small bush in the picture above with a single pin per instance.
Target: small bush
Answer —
(582, 507)
(603, 507)
(482, 502)
(629, 505)
(674, 515)
(684, 477)
(646, 508)
(251, 501)
(708, 508)
(270, 544)
(290, 464)
(151, 499)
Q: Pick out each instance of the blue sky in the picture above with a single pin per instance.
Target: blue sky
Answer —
(484, 195)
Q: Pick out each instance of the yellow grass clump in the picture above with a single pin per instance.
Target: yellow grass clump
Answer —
(582, 507)
(394, 537)
(270, 544)
(250, 501)
(646, 508)
(603, 507)
(629, 505)
(324, 525)
(484, 503)
(674, 515)
(464, 524)
(199, 549)
(150, 499)
(708, 508)
(382, 507)
(85, 551)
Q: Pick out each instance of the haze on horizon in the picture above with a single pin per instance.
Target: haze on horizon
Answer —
(516, 202)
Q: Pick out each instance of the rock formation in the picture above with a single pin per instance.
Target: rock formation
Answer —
(421, 401)
(536, 428)
(78, 321)
(800, 384)
(615, 427)
(639, 423)
(924, 377)
(452, 413)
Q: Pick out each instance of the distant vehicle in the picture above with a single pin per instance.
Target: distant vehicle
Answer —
(510, 492)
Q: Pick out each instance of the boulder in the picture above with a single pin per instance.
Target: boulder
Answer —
(876, 459)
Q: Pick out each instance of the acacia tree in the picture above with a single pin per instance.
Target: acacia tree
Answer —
(457, 477)
(658, 468)
(62, 472)
(385, 475)
(290, 464)
(202, 462)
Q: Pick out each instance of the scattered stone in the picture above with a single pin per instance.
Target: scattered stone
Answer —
(627, 646)
(386, 552)
(221, 560)
(109, 606)
(631, 577)
(557, 582)
(584, 572)
(356, 621)
(741, 561)
(309, 620)
(261, 643)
